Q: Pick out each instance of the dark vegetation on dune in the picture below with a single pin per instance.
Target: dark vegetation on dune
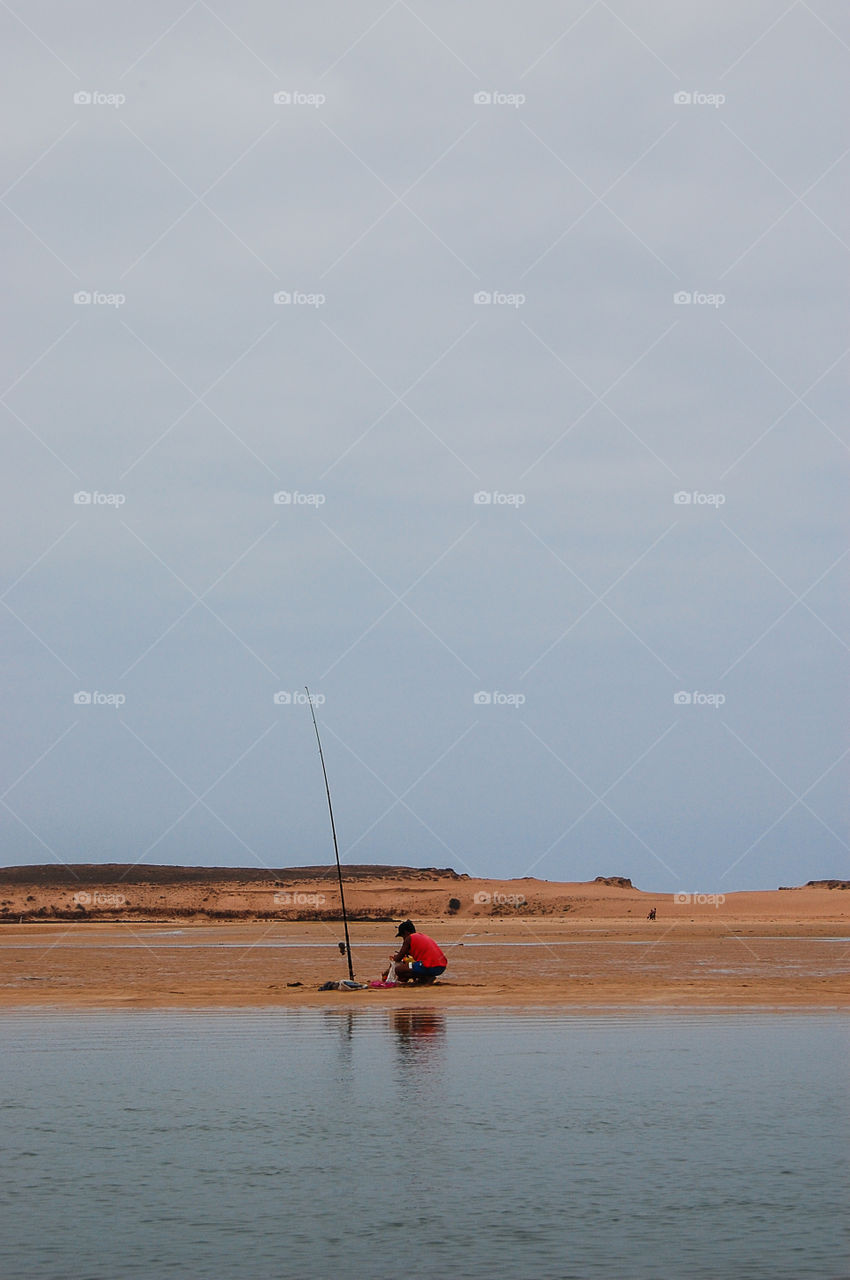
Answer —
(80, 874)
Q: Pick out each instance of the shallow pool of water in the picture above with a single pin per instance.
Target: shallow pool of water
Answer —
(363, 1144)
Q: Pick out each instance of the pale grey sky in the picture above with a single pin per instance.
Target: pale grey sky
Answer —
(497, 679)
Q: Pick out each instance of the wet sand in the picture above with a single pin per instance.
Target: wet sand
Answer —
(797, 958)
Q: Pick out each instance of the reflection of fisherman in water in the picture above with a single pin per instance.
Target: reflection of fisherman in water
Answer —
(419, 1032)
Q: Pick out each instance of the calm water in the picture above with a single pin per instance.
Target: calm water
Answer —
(362, 1145)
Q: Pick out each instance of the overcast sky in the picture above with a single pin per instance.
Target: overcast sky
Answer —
(584, 261)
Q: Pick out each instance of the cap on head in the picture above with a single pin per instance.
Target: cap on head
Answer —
(406, 926)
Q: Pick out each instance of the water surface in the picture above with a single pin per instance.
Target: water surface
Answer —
(365, 1144)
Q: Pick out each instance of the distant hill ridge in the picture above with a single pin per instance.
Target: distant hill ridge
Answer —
(99, 873)
(816, 884)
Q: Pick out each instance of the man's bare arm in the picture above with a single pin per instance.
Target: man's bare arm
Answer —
(405, 950)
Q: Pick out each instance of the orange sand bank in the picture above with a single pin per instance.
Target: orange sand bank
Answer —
(533, 943)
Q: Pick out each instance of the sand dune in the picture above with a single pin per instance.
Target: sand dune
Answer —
(95, 892)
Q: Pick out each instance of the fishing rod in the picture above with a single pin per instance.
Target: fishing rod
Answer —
(333, 833)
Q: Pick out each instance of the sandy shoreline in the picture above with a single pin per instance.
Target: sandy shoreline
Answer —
(511, 964)
(158, 937)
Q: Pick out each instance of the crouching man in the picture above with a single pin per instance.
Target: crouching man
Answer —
(419, 959)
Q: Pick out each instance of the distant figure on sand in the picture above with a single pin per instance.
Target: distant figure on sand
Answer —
(651, 915)
(419, 959)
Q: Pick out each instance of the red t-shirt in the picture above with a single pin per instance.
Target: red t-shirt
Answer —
(425, 949)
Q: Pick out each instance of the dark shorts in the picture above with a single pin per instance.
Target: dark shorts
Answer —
(425, 973)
